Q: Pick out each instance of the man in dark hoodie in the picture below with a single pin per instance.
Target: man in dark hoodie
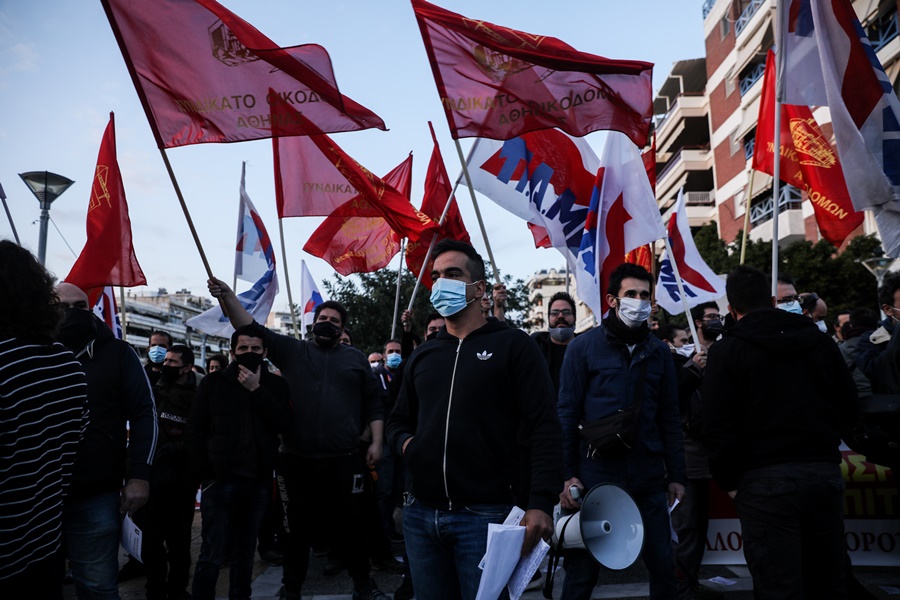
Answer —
(464, 397)
(775, 396)
(118, 392)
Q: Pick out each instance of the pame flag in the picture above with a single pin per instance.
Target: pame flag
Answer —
(254, 253)
(700, 283)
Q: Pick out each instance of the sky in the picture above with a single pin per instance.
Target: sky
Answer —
(61, 73)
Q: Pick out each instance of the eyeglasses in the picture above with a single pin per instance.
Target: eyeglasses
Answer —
(712, 318)
(560, 313)
(786, 299)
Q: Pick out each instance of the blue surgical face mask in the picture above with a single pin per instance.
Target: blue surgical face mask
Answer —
(448, 296)
(156, 354)
(393, 361)
(792, 307)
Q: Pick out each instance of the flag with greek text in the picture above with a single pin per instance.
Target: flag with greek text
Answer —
(495, 82)
(108, 255)
(829, 61)
(356, 238)
(204, 74)
(700, 283)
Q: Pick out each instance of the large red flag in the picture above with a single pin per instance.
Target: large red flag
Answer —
(498, 83)
(204, 74)
(355, 238)
(437, 193)
(807, 161)
(108, 255)
(373, 192)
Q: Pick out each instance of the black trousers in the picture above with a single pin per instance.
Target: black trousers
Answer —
(166, 522)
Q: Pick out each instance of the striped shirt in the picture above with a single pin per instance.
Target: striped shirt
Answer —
(43, 414)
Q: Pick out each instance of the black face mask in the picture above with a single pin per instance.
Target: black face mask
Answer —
(169, 374)
(250, 360)
(712, 330)
(431, 336)
(326, 333)
(77, 329)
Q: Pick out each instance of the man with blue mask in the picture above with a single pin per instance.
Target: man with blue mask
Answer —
(786, 296)
(160, 342)
(614, 367)
(465, 398)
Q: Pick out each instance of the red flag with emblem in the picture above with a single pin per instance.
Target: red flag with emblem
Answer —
(108, 254)
(498, 83)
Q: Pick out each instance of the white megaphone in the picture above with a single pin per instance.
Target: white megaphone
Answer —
(609, 526)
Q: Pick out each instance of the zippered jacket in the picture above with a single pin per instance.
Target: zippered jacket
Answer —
(467, 404)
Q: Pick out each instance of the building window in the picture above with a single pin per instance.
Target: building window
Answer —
(882, 29)
(724, 27)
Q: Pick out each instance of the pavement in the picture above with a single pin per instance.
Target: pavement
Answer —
(629, 583)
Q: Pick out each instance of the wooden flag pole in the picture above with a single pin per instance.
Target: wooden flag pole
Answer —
(397, 295)
(747, 217)
(287, 280)
(187, 214)
(123, 320)
(687, 310)
(9, 216)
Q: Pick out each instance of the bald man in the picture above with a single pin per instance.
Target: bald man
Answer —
(106, 483)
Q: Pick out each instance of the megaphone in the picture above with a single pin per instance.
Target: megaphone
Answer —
(609, 526)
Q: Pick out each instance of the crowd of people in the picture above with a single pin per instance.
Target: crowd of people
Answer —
(308, 445)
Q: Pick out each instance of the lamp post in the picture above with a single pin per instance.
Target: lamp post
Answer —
(46, 187)
(878, 265)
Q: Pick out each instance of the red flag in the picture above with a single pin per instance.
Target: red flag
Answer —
(356, 239)
(807, 161)
(498, 83)
(108, 255)
(374, 193)
(437, 193)
(649, 158)
(641, 256)
(203, 74)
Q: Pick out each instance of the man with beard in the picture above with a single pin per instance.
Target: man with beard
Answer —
(321, 469)
(561, 331)
(118, 392)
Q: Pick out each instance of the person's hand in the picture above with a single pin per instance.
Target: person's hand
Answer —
(565, 499)
(674, 492)
(248, 378)
(406, 319)
(373, 454)
(134, 496)
(732, 494)
(699, 357)
(500, 294)
(538, 526)
(405, 444)
(218, 288)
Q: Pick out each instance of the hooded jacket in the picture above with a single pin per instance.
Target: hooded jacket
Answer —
(776, 390)
(463, 401)
(878, 356)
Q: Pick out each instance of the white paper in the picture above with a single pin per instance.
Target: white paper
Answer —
(513, 518)
(504, 551)
(672, 529)
(526, 567)
(132, 537)
(722, 580)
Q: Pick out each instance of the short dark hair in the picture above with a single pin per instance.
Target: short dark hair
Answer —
(251, 330)
(562, 296)
(838, 316)
(623, 272)
(667, 331)
(349, 334)
(432, 316)
(219, 358)
(187, 355)
(32, 311)
(889, 286)
(333, 305)
(748, 289)
(475, 263)
(863, 317)
(785, 278)
(697, 311)
(391, 341)
(165, 333)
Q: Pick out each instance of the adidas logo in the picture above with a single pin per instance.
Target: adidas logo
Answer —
(484, 355)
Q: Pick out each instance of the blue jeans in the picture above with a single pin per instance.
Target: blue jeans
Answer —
(231, 512)
(92, 527)
(444, 547)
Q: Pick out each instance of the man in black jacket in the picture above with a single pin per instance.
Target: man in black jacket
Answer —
(463, 400)
(118, 392)
(560, 331)
(775, 395)
(232, 438)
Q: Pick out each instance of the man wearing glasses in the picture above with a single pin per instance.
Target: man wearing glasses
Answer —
(560, 331)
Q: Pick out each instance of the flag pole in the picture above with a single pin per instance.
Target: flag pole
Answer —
(397, 295)
(287, 280)
(123, 320)
(687, 310)
(487, 242)
(747, 217)
(776, 170)
(303, 270)
(9, 216)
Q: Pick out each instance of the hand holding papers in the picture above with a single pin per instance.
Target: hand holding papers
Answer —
(503, 563)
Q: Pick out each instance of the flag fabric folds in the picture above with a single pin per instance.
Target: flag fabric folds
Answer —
(622, 216)
(499, 83)
(438, 190)
(310, 297)
(258, 299)
(807, 161)
(829, 61)
(204, 74)
(250, 252)
(108, 255)
(107, 310)
(355, 238)
(700, 283)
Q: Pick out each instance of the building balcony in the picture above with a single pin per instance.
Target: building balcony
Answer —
(882, 29)
(677, 168)
(790, 218)
(747, 17)
(750, 76)
(707, 7)
(673, 123)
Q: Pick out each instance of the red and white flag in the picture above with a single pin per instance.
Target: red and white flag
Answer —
(495, 82)
(204, 74)
(107, 310)
(700, 283)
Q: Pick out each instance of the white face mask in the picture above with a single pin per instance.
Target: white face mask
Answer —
(633, 311)
(685, 350)
(822, 326)
(374, 365)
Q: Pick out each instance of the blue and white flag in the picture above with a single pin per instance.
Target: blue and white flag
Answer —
(310, 297)
(254, 257)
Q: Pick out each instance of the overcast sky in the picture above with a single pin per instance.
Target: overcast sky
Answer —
(61, 73)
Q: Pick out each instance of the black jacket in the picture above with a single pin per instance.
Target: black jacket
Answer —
(464, 402)
(173, 406)
(221, 408)
(776, 390)
(878, 356)
(118, 392)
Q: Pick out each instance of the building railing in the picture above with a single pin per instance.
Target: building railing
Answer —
(745, 17)
(789, 199)
(700, 198)
(749, 146)
(676, 159)
(882, 29)
(707, 7)
(752, 76)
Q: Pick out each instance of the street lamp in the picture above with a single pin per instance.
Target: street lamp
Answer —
(46, 187)
(878, 265)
